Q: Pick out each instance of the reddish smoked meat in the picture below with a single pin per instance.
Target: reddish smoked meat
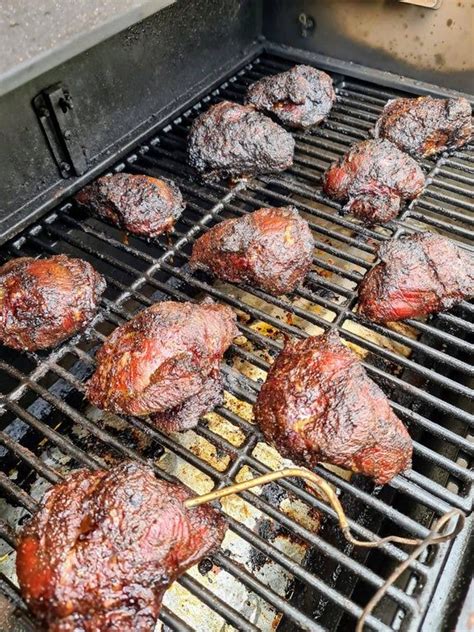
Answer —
(164, 358)
(232, 140)
(375, 178)
(426, 126)
(104, 546)
(301, 97)
(270, 249)
(319, 404)
(187, 415)
(45, 301)
(418, 274)
(140, 204)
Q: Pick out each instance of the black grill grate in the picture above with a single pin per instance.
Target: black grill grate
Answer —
(284, 561)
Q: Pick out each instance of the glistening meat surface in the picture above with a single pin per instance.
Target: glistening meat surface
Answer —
(45, 301)
(374, 178)
(270, 249)
(104, 547)
(161, 358)
(418, 274)
(318, 404)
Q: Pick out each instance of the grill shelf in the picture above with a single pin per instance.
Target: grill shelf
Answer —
(284, 561)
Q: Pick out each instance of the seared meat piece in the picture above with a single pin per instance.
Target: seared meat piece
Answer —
(301, 97)
(270, 249)
(186, 415)
(319, 404)
(236, 140)
(45, 301)
(161, 359)
(426, 126)
(375, 177)
(104, 547)
(418, 274)
(140, 204)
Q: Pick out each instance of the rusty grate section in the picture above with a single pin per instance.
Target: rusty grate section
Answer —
(283, 563)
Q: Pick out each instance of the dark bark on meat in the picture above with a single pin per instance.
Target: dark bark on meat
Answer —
(418, 274)
(236, 140)
(104, 547)
(270, 249)
(426, 126)
(375, 178)
(187, 414)
(140, 204)
(162, 359)
(319, 404)
(45, 301)
(301, 97)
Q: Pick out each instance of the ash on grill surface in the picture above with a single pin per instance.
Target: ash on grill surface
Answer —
(309, 579)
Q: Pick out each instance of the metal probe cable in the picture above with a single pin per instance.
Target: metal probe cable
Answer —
(433, 538)
(436, 536)
(328, 493)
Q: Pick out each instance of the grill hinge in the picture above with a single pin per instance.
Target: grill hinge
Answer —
(55, 110)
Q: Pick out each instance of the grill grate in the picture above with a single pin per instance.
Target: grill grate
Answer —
(283, 561)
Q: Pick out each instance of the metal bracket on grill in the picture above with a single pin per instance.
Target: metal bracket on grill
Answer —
(55, 110)
(427, 4)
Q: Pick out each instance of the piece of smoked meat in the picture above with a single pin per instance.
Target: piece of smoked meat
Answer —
(104, 546)
(237, 141)
(45, 301)
(187, 415)
(137, 203)
(425, 126)
(270, 249)
(418, 274)
(162, 359)
(375, 178)
(301, 97)
(319, 405)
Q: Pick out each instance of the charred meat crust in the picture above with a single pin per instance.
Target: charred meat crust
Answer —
(138, 203)
(186, 415)
(162, 357)
(270, 249)
(45, 301)
(426, 126)
(375, 178)
(319, 404)
(418, 274)
(236, 140)
(104, 547)
(301, 97)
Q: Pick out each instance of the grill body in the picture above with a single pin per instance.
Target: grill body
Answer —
(284, 563)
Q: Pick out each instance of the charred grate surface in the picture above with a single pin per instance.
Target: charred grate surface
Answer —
(283, 562)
